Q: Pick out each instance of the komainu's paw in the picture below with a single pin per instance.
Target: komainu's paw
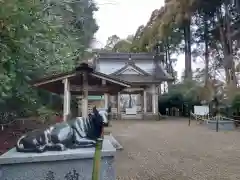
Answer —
(60, 147)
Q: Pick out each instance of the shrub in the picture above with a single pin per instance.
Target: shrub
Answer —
(45, 114)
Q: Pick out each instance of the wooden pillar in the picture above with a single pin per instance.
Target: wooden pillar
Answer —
(85, 96)
(118, 105)
(156, 97)
(116, 101)
(113, 101)
(144, 101)
(158, 93)
(79, 104)
(154, 100)
(106, 100)
(106, 96)
(160, 89)
(66, 99)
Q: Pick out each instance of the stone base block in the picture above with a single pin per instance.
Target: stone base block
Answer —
(65, 165)
(114, 142)
(151, 116)
(222, 125)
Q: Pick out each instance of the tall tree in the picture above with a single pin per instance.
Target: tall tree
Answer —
(212, 24)
(111, 42)
(38, 38)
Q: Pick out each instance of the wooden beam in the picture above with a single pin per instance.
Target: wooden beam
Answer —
(135, 92)
(132, 89)
(95, 88)
(109, 79)
(54, 79)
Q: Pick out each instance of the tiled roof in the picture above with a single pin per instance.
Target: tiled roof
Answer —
(80, 68)
(126, 56)
(132, 78)
(130, 64)
(159, 73)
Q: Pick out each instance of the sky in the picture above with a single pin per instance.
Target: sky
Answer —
(123, 17)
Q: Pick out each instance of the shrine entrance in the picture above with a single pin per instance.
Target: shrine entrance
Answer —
(138, 102)
(130, 105)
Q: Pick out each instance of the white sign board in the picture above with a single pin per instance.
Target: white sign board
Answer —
(131, 111)
(201, 110)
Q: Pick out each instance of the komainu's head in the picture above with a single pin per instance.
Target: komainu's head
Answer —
(97, 120)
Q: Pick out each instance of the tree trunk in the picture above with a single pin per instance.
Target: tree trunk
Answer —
(187, 38)
(231, 66)
(237, 4)
(168, 62)
(206, 37)
(226, 41)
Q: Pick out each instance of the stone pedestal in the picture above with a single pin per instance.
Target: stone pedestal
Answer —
(74, 164)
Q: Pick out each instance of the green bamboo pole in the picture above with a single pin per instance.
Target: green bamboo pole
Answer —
(97, 159)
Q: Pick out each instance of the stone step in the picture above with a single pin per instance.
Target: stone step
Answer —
(131, 116)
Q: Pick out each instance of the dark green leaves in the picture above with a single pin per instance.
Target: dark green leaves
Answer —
(39, 38)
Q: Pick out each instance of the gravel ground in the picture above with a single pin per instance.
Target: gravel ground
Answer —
(171, 150)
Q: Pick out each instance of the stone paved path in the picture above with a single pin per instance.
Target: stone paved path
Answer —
(170, 150)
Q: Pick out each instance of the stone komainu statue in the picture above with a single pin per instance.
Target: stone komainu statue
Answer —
(76, 133)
